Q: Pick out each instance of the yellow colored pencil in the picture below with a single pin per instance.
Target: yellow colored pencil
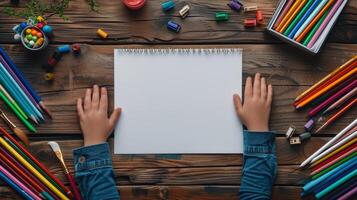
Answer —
(287, 16)
(334, 152)
(301, 5)
(32, 169)
(328, 87)
(354, 58)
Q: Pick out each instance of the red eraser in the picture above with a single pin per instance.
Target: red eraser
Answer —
(259, 16)
(250, 22)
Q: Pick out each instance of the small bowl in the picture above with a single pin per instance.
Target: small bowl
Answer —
(23, 36)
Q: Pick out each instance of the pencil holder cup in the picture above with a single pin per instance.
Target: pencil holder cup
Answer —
(33, 38)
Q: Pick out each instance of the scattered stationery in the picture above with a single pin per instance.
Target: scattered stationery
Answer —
(305, 23)
(175, 116)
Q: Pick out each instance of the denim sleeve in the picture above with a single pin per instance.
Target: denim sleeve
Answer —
(94, 172)
(259, 167)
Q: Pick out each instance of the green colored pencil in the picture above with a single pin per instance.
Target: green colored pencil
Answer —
(8, 102)
(3, 90)
(313, 31)
(334, 165)
(297, 18)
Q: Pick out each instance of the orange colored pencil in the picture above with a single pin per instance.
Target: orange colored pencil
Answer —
(314, 21)
(338, 114)
(287, 16)
(293, 16)
(348, 63)
(328, 87)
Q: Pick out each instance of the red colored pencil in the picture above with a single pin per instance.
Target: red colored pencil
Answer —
(342, 100)
(333, 98)
(39, 164)
(338, 114)
(18, 167)
(334, 159)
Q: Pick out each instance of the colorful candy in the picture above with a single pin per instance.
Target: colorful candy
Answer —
(64, 49)
(47, 30)
(33, 37)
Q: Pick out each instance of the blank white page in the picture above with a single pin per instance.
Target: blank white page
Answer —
(177, 101)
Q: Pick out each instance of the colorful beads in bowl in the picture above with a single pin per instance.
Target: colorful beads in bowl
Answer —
(33, 38)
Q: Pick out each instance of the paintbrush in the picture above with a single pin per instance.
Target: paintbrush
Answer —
(23, 137)
(56, 148)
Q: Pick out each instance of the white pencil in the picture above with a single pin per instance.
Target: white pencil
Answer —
(310, 18)
(337, 145)
(329, 143)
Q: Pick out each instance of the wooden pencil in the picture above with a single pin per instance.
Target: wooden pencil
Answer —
(288, 14)
(290, 19)
(328, 87)
(342, 100)
(337, 115)
(348, 63)
(283, 12)
(15, 186)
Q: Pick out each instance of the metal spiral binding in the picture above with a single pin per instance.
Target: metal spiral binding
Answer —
(180, 51)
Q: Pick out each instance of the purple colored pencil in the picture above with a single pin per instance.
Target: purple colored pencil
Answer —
(283, 12)
(349, 194)
(333, 98)
(324, 23)
(348, 186)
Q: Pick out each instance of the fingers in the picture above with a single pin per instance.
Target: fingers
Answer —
(80, 107)
(114, 118)
(263, 89)
(88, 99)
(103, 104)
(238, 103)
(248, 92)
(256, 85)
(270, 94)
(95, 97)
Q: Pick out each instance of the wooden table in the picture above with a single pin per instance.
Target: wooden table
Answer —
(198, 177)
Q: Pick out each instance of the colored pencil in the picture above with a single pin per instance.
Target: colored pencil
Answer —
(329, 143)
(298, 17)
(324, 23)
(315, 5)
(2, 89)
(347, 64)
(21, 185)
(18, 93)
(35, 161)
(341, 100)
(337, 115)
(313, 31)
(25, 82)
(283, 12)
(17, 113)
(314, 21)
(336, 184)
(333, 98)
(342, 189)
(14, 186)
(343, 159)
(288, 14)
(32, 169)
(21, 171)
(328, 87)
(348, 141)
(349, 194)
(13, 75)
(296, 11)
(312, 184)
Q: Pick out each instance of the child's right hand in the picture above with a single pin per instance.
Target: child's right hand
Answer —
(93, 116)
(255, 111)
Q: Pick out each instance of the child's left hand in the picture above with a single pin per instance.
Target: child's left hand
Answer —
(93, 116)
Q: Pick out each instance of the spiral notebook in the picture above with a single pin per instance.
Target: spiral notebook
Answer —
(177, 101)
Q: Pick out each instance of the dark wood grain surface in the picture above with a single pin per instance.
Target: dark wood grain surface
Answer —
(178, 177)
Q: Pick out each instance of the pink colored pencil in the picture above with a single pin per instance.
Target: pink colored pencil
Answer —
(324, 23)
(341, 100)
(17, 182)
(333, 98)
(348, 195)
(283, 12)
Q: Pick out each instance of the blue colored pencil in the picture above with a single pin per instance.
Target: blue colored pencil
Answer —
(21, 98)
(304, 17)
(15, 186)
(24, 81)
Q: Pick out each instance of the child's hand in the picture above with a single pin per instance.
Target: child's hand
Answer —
(93, 116)
(255, 111)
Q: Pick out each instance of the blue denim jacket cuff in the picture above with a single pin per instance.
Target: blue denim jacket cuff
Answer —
(92, 157)
(259, 142)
